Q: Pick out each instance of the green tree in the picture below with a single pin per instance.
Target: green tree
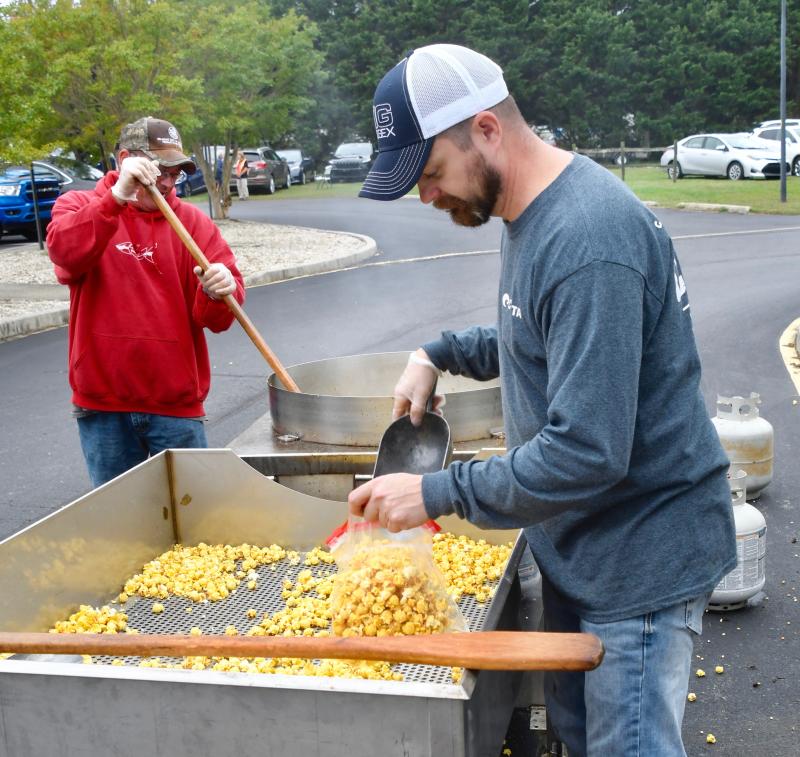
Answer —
(225, 73)
(253, 70)
(101, 64)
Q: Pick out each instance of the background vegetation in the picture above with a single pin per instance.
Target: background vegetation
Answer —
(302, 72)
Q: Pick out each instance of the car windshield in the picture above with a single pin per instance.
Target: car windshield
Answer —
(354, 148)
(290, 155)
(745, 142)
(76, 169)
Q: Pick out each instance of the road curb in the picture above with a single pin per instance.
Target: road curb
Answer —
(789, 348)
(13, 328)
(713, 207)
(368, 248)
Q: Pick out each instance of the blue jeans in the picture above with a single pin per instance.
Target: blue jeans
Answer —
(632, 704)
(114, 442)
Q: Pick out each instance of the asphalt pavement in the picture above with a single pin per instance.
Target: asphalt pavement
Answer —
(741, 274)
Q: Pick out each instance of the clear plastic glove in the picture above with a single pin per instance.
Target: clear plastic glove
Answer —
(415, 386)
(217, 281)
(134, 172)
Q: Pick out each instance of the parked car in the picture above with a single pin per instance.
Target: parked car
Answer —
(265, 170)
(69, 173)
(300, 165)
(737, 156)
(17, 214)
(190, 183)
(793, 122)
(350, 162)
(773, 133)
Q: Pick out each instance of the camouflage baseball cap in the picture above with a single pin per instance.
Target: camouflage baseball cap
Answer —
(157, 139)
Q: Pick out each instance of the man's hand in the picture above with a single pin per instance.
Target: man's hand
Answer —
(414, 387)
(134, 172)
(217, 281)
(395, 501)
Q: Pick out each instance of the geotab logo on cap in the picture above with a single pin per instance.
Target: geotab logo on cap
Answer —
(384, 122)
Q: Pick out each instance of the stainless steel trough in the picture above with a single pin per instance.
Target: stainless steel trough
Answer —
(82, 554)
(348, 401)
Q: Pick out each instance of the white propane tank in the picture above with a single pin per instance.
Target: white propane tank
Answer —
(748, 577)
(747, 439)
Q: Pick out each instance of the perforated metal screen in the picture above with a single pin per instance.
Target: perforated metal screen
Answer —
(181, 614)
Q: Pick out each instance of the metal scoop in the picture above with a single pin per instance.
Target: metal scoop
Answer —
(406, 448)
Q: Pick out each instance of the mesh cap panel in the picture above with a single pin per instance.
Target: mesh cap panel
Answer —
(482, 74)
(448, 84)
(434, 84)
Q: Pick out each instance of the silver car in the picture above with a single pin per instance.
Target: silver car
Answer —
(737, 156)
(773, 133)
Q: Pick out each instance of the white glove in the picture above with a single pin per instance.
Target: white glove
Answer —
(133, 173)
(217, 281)
(415, 386)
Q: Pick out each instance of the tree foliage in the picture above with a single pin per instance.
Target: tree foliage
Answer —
(304, 71)
(225, 73)
(597, 70)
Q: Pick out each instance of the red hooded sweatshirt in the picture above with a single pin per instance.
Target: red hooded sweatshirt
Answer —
(137, 310)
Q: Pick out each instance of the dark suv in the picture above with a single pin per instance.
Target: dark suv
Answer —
(350, 162)
(16, 201)
(265, 170)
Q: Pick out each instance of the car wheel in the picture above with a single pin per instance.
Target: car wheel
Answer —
(187, 190)
(271, 185)
(796, 167)
(302, 177)
(671, 169)
(288, 179)
(735, 171)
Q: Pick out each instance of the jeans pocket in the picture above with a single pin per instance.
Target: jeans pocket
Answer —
(694, 613)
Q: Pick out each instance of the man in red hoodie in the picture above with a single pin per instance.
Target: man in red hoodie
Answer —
(138, 361)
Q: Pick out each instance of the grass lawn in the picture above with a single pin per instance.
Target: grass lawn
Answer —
(763, 196)
(647, 182)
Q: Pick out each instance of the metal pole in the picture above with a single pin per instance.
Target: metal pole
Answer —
(675, 162)
(783, 100)
(212, 170)
(35, 195)
(622, 158)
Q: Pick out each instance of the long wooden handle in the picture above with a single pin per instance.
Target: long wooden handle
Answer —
(229, 299)
(484, 650)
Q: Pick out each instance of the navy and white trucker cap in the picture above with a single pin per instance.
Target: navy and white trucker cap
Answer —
(430, 90)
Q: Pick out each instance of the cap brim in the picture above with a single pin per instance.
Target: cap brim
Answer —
(395, 172)
(172, 158)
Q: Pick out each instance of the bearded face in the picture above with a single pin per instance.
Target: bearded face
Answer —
(477, 209)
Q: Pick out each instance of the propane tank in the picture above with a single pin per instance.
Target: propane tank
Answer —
(748, 577)
(747, 439)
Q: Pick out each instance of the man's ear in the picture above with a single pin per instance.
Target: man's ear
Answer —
(121, 155)
(486, 129)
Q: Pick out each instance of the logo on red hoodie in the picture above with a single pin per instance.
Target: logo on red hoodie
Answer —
(140, 252)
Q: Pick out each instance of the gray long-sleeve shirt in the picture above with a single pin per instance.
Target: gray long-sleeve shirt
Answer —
(613, 466)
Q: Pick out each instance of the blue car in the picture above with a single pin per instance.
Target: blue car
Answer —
(190, 184)
(17, 214)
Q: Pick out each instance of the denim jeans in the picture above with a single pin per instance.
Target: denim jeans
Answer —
(632, 704)
(114, 442)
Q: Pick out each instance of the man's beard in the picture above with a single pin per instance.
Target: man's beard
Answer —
(477, 210)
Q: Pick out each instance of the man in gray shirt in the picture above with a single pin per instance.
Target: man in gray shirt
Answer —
(613, 467)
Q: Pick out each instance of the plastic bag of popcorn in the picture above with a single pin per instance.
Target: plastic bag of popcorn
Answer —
(388, 584)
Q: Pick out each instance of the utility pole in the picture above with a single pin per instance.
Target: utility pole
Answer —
(783, 100)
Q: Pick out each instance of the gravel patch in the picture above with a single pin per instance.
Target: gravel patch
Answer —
(19, 308)
(258, 247)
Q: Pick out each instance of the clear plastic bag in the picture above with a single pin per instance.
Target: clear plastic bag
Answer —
(388, 584)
